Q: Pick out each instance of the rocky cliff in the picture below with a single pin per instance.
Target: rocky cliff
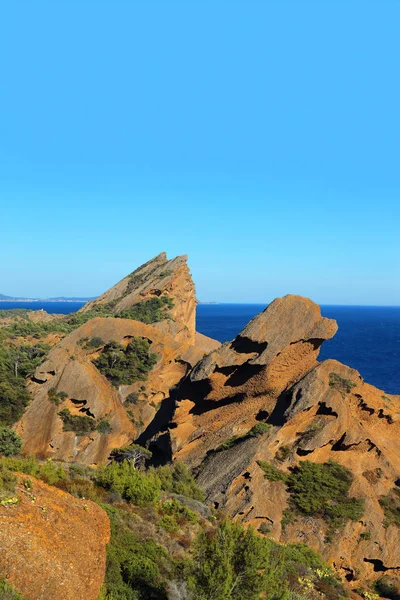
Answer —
(78, 412)
(316, 412)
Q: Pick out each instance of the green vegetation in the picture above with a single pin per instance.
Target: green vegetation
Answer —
(323, 490)
(126, 365)
(272, 473)
(178, 479)
(7, 592)
(136, 454)
(80, 425)
(16, 362)
(137, 569)
(95, 342)
(8, 483)
(344, 386)
(283, 453)
(149, 311)
(55, 397)
(10, 442)
(104, 426)
(131, 484)
(233, 563)
(226, 561)
(391, 507)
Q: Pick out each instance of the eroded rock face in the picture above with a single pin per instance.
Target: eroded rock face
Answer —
(159, 277)
(53, 547)
(129, 409)
(330, 414)
(239, 383)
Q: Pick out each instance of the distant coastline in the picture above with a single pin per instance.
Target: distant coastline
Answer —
(33, 300)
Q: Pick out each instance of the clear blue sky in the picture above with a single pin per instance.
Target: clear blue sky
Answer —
(259, 137)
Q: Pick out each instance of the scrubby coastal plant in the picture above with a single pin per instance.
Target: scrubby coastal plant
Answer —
(10, 442)
(125, 365)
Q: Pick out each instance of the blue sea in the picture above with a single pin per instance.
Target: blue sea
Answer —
(368, 338)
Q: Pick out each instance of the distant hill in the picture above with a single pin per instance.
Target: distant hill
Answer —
(4, 298)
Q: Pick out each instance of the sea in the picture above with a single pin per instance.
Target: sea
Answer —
(368, 338)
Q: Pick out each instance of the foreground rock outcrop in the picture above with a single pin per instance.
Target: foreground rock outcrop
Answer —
(52, 545)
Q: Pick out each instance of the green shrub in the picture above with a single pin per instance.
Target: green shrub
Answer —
(79, 424)
(391, 508)
(56, 397)
(322, 490)
(149, 311)
(48, 471)
(126, 365)
(103, 426)
(137, 455)
(169, 523)
(136, 568)
(272, 473)
(7, 592)
(95, 342)
(10, 442)
(8, 483)
(178, 479)
(16, 362)
(134, 486)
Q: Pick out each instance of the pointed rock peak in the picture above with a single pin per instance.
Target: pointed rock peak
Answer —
(168, 280)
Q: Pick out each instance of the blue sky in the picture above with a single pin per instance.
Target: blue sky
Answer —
(259, 137)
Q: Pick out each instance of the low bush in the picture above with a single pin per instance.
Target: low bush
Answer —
(79, 424)
(10, 442)
(178, 479)
(126, 365)
(55, 397)
(323, 490)
(391, 508)
(272, 473)
(7, 592)
(149, 311)
(137, 569)
(137, 487)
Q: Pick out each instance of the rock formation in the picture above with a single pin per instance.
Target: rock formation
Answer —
(69, 369)
(316, 412)
(52, 545)
(201, 403)
(239, 383)
(158, 278)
